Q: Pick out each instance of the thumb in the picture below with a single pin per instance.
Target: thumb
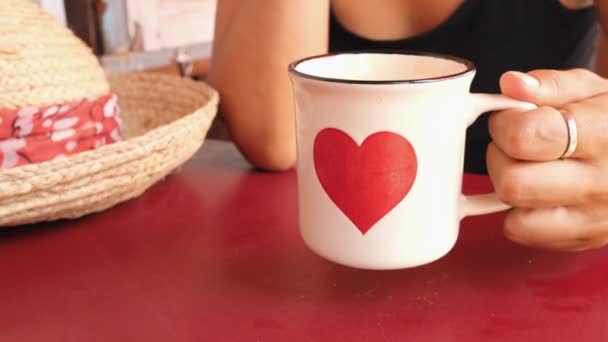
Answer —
(552, 87)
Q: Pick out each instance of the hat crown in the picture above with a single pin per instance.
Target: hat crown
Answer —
(42, 62)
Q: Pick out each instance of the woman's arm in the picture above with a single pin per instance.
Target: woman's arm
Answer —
(254, 42)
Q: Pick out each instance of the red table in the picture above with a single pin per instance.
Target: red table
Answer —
(212, 253)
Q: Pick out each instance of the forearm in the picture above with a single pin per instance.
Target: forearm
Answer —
(249, 68)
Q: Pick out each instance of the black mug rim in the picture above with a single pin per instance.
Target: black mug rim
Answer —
(470, 67)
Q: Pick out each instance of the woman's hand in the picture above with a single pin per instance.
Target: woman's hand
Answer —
(558, 203)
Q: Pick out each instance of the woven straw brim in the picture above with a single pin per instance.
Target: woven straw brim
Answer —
(166, 119)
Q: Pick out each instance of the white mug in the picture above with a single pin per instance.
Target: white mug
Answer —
(380, 155)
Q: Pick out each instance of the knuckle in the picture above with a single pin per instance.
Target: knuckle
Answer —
(513, 188)
(494, 124)
(595, 226)
(520, 137)
(582, 73)
(546, 132)
(555, 81)
(595, 187)
(593, 196)
(550, 79)
(514, 228)
(531, 133)
(591, 83)
(596, 195)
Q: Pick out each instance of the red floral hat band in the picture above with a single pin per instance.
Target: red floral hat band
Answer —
(34, 135)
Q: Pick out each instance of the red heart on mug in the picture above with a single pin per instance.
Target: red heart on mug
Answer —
(366, 182)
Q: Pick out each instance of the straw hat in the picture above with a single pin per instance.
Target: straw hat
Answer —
(65, 149)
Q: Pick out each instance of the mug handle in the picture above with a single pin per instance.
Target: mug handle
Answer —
(472, 205)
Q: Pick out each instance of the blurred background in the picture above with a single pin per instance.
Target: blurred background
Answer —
(170, 36)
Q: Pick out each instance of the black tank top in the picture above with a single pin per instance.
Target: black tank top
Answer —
(496, 35)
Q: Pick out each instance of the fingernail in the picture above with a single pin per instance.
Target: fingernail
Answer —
(530, 81)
